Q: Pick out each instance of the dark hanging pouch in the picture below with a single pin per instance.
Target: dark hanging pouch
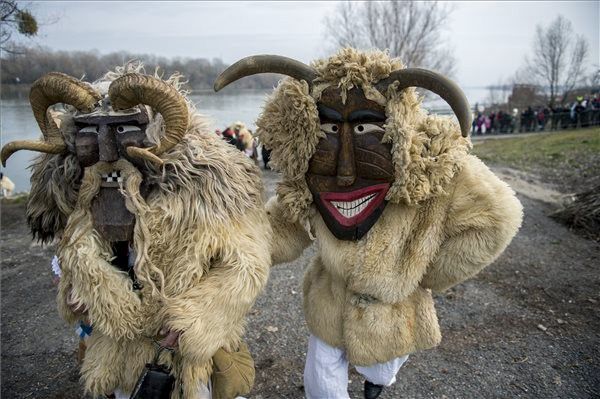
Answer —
(156, 381)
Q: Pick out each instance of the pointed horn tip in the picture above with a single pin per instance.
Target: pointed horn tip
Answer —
(144, 153)
(218, 85)
(6, 153)
(4, 157)
(438, 84)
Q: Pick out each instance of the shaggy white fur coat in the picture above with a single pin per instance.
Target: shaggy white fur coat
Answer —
(201, 240)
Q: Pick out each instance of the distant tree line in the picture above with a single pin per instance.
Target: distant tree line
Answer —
(30, 64)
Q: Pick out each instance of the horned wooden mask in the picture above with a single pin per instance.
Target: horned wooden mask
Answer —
(351, 170)
(110, 133)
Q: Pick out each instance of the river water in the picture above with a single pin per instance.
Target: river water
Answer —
(17, 122)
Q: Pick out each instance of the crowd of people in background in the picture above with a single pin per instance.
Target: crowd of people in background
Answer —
(583, 112)
(239, 136)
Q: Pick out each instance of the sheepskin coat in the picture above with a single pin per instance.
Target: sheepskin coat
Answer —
(201, 241)
(448, 216)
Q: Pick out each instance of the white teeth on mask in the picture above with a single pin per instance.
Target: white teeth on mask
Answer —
(349, 209)
(114, 176)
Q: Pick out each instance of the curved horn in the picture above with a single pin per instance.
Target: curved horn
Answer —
(132, 89)
(265, 64)
(40, 146)
(50, 89)
(437, 83)
(54, 88)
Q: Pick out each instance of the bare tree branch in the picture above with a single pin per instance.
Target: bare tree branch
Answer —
(410, 30)
(18, 22)
(15, 19)
(558, 61)
(343, 25)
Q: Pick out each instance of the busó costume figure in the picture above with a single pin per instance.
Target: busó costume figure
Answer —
(396, 204)
(163, 229)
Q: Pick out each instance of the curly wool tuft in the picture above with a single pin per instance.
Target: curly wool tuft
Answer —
(351, 68)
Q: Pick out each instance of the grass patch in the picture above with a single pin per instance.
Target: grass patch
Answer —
(541, 149)
(570, 159)
(16, 199)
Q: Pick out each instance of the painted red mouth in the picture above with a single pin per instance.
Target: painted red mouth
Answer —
(353, 207)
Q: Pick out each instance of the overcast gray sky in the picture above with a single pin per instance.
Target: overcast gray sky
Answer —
(490, 38)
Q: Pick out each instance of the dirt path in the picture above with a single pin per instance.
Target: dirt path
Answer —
(531, 186)
(528, 326)
(501, 136)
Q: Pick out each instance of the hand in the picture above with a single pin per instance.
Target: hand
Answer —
(171, 339)
(233, 373)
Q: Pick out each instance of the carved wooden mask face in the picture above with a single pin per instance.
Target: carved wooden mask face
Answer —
(103, 137)
(351, 171)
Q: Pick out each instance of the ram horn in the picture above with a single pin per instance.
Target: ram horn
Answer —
(39, 146)
(265, 64)
(132, 89)
(437, 83)
(50, 89)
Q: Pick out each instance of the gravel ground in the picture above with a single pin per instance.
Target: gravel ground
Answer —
(526, 327)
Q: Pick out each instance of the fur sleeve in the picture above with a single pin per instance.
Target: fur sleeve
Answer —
(114, 309)
(211, 314)
(64, 286)
(289, 239)
(112, 305)
(483, 217)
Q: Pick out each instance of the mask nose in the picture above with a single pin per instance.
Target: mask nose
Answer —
(107, 144)
(346, 167)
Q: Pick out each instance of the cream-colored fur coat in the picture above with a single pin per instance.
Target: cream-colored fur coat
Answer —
(448, 216)
(410, 251)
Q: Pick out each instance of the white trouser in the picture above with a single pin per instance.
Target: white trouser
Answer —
(326, 371)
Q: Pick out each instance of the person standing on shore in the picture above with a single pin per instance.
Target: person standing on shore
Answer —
(6, 185)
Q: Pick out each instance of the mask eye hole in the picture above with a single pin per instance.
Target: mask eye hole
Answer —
(367, 128)
(330, 128)
(89, 129)
(127, 129)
